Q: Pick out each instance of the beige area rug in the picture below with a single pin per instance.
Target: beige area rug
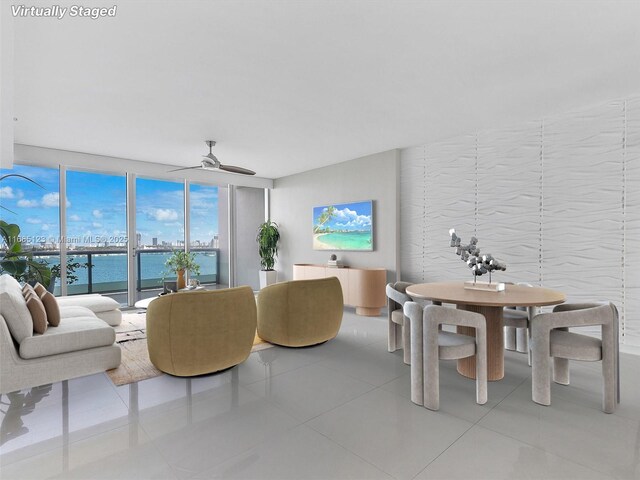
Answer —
(132, 339)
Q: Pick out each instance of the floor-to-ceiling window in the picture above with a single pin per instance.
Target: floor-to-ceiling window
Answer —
(159, 230)
(205, 230)
(35, 209)
(95, 228)
(96, 223)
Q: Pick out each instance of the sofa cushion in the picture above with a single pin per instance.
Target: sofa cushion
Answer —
(95, 303)
(14, 309)
(72, 335)
(105, 308)
(52, 308)
(113, 318)
(74, 311)
(37, 311)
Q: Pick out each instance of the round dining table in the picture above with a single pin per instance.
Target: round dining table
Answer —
(490, 304)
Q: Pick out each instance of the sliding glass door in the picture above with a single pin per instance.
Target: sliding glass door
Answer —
(116, 231)
(159, 231)
(208, 236)
(96, 224)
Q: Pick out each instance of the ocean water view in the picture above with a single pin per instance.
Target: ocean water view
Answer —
(346, 241)
(109, 270)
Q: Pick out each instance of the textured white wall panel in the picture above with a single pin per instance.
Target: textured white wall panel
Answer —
(558, 200)
(631, 330)
(509, 171)
(582, 213)
(450, 203)
(412, 213)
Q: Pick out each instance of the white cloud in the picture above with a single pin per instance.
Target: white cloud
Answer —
(164, 215)
(33, 221)
(45, 226)
(74, 218)
(96, 225)
(350, 218)
(25, 203)
(97, 213)
(52, 200)
(7, 192)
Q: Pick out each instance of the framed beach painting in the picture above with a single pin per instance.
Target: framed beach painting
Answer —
(343, 226)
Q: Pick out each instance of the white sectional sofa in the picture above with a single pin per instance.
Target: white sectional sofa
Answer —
(104, 308)
(82, 344)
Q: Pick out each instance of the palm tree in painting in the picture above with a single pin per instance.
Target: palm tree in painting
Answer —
(324, 217)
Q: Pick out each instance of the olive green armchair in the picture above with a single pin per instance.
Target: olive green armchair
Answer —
(193, 333)
(301, 312)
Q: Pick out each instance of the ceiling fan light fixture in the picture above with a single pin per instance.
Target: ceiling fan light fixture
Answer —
(210, 162)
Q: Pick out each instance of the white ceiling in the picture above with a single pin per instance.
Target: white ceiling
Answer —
(287, 86)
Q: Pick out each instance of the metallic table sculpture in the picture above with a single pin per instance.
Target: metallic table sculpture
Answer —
(470, 253)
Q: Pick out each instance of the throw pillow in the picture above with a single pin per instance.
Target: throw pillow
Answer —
(52, 308)
(38, 313)
(14, 309)
(39, 288)
(8, 281)
(27, 289)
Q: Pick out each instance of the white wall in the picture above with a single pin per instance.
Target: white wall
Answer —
(557, 199)
(6, 87)
(249, 205)
(374, 177)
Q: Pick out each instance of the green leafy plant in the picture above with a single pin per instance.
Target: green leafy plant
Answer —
(181, 260)
(268, 238)
(17, 262)
(72, 266)
(13, 259)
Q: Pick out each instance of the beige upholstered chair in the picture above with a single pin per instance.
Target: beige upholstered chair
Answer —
(429, 344)
(516, 327)
(399, 325)
(551, 337)
(193, 333)
(301, 312)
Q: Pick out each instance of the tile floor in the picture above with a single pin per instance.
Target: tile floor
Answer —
(338, 410)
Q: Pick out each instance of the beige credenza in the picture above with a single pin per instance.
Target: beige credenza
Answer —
(363, 288)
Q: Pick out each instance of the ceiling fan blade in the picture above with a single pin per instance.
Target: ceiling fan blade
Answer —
(185, 168)
(234, 169)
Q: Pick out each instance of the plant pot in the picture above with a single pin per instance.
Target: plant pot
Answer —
(182, 283)
(267, 277)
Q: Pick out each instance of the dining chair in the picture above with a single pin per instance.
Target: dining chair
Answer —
(550, 337)
(517, 322)
(430, 344)
(399, 326)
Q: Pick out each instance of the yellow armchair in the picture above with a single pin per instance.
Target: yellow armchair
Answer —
(193, 333)
(301, 312)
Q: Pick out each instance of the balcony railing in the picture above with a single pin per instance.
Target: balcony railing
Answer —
(106, 270)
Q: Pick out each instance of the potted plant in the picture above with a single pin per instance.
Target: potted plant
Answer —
(268, 237)
(181, 262)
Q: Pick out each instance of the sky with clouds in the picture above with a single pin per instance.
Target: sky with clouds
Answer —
(96, 206)
(347, 216)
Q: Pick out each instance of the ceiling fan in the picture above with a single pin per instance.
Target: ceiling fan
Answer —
(210, 162)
